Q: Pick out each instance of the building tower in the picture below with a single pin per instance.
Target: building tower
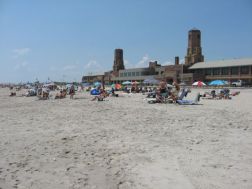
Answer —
(194, 52)
(118, 60)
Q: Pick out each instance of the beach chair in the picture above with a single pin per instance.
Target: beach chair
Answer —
(190, 102)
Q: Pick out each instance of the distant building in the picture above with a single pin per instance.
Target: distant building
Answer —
(118, 60)
(194, 51)
(107, 76)
(136, 74)
(93, 78)
(168, 73)
(194, 68)
(230, 70)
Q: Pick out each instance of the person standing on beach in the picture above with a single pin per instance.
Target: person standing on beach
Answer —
(71, 92)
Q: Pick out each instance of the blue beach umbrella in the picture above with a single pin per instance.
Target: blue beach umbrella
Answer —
(218, 82)
(97, 84)
(151, 81)
(126, 83)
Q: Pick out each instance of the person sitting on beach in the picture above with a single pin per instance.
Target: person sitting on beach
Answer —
(163, 86)
(159, 98)
(174, 92)
(61, 95)
(45, 93)
(145, 89)
(112, 92)
(126, 89)
(133, 89)
(101, 96)
(213, 93)
(224, 94)
(12, 92)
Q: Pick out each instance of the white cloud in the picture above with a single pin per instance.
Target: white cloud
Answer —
(172, 62)
(93, 67)
(69, 67)
(23, 64)
(128, 64)
(92, 64)
(21, 52)
(182, 61)
(167, 63)
(144, 62)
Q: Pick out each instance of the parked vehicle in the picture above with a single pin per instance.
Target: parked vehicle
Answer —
(238, 83)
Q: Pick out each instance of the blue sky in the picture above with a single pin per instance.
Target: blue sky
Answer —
(64, 40)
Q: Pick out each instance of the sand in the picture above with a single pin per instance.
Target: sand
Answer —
(125, 143)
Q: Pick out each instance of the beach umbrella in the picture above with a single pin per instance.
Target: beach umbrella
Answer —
(198, 84)
(218, 83)
(135, 83)
(146, 81)
(126, 83)
(151, 81)
(97, 84)
(116, 86)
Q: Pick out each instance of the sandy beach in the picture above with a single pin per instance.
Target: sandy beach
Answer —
(125, 143)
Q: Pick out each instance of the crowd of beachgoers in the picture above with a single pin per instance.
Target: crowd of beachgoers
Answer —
(160, 93)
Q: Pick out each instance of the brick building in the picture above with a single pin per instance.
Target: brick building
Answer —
(194, 68)
(229, 70)
(194, 51)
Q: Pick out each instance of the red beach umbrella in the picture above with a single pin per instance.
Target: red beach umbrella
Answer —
(198, 84)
